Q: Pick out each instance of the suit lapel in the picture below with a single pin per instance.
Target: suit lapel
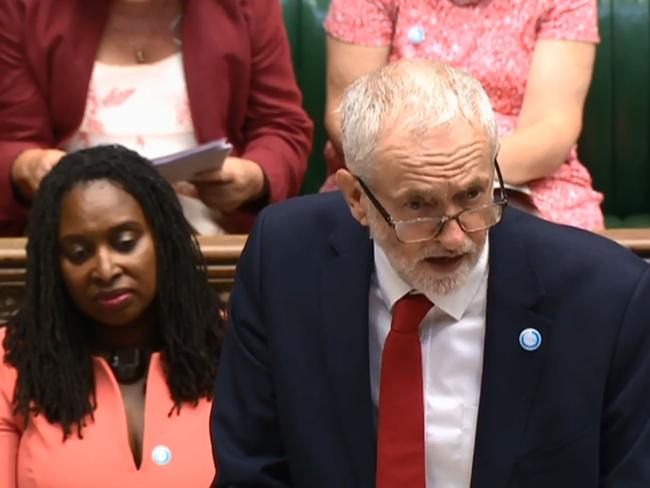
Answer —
(345, 283)
(510, 373)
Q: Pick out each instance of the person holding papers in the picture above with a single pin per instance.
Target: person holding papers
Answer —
(158, 76)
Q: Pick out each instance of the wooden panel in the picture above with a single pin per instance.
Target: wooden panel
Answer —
(638, 240)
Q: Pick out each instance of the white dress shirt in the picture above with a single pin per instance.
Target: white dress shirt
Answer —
(452, 336)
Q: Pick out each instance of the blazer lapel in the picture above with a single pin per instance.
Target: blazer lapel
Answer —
(345, 282)
(510, 373)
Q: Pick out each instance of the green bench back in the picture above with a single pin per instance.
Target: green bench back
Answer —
(614, 142)
(615, 139)
(304, 22)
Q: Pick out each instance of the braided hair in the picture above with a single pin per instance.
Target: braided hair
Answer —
(47, 342)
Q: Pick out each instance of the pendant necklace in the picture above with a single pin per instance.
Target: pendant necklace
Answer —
(174, 29)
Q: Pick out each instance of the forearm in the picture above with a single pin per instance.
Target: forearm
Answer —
(333, 126)
(535, 151)
(550, 119)
(347, 62)
(30, 167)
(12, 212)
(25, 159)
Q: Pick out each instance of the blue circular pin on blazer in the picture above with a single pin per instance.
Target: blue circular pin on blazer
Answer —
(416, 34)
(161, 455)
(530, 339)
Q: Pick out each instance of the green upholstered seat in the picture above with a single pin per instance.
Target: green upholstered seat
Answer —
(304, 22)
(615, 139)
(616, 135)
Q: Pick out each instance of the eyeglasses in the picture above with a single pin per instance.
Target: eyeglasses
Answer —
(426, 228)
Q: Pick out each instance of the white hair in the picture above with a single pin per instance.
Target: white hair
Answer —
(413, 96)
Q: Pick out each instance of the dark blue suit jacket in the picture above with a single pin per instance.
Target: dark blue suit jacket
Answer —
(293, 406)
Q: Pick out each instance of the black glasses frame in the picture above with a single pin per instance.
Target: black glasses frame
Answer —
(501, 200)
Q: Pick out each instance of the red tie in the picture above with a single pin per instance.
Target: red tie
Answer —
(400, 436)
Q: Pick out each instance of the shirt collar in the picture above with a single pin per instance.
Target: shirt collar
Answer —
(455, 304)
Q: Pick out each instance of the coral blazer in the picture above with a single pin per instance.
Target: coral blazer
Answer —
(176, 448)
(238, 72)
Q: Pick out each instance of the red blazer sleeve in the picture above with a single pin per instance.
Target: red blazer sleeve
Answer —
(277, 130)
(24, 115)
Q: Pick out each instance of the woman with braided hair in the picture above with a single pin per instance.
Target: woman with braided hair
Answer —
(108, 368)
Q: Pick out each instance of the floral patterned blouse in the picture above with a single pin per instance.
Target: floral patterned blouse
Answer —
(493, 40)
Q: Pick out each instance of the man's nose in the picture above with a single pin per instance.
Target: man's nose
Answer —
(452, 237)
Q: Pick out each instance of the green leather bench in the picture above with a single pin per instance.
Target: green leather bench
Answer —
(616, 134)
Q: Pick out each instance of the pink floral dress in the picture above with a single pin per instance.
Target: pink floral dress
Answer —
(493, 40)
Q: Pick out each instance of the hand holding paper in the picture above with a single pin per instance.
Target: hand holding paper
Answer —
(184, 165)
(237, 181)
(31, 166)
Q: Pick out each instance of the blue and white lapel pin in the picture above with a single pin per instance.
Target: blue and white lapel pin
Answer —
(161, 455)
(530, 339)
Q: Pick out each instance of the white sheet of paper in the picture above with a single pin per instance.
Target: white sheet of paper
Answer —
(525, 189)
(203, 220)
(183, 165)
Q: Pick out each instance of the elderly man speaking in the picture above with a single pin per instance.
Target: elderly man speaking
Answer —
(412, 331)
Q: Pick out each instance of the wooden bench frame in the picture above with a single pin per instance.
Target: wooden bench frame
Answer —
(221, 255)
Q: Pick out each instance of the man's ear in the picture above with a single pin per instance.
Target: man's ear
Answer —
(353, 195)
